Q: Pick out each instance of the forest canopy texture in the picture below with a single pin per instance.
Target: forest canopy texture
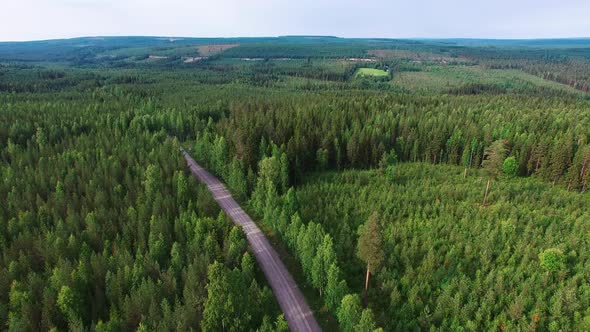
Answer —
(407, 185)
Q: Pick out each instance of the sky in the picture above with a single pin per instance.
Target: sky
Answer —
(512, 19)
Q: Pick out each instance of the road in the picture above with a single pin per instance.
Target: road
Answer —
(297, 313)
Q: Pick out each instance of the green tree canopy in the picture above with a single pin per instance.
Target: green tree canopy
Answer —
(349, 312)
(494, 158)
(552, 260)
(370, 245)
(510, 166)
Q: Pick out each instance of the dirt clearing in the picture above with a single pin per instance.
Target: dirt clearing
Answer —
(209, 50)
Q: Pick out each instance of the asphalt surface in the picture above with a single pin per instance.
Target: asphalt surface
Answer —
(297, 313)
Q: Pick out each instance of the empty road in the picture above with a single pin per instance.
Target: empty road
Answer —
(288, 295)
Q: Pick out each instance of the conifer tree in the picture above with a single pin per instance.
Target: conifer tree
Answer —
(370, 246)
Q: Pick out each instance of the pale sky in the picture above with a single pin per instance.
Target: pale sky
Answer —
(49, 19)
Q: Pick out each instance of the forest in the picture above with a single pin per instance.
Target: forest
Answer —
(447, 193)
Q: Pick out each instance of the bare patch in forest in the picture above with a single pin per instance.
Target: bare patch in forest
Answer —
(417, 57)
(193, 59)
(209, 50)
(361, 59)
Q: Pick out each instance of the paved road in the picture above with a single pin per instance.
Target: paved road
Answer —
(290, 298)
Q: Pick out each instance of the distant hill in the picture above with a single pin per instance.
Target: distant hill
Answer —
(125, 51)
(554, 42)
(308, 36)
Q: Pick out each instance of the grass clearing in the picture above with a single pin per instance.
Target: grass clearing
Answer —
(370, 72)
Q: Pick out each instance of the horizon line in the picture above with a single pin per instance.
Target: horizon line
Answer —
(300, 36)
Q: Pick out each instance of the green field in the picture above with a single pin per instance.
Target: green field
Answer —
(370, 72)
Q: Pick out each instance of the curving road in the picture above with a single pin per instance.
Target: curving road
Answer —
(297, 312)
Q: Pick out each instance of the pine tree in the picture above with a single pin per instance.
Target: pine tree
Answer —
(237, 180)
(217, 306)
(322, 159)
(152, 180)
(181, 187)
(370, 246)
(494, 158)
(236, 245)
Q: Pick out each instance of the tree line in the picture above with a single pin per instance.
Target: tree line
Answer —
(547, 137)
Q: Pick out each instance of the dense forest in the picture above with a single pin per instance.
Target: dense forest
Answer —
(446, 194)
(103, 229)
(519, 263)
